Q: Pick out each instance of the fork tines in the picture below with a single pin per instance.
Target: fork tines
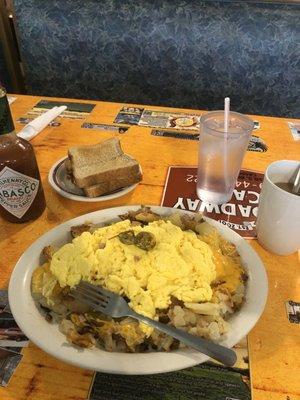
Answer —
(92, 295)
(95, 289)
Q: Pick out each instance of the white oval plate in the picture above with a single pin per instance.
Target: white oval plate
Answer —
(48, 337)
(61, 183)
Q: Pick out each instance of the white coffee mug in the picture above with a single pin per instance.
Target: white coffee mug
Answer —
(278, 219)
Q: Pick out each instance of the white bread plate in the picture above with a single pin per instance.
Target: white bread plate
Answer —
(51, 340)
(59, 180)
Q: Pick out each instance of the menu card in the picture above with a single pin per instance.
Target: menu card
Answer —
(238, 214)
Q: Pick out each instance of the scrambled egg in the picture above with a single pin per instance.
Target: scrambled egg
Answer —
(180, 265)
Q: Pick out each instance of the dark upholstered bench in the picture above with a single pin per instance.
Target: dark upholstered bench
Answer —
(183, 53)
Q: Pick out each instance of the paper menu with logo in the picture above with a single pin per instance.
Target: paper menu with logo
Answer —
(238, 214)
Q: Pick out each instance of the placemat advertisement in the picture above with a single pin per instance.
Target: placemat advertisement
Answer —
(74, 111)
(12, 340)
(158, 119)
(295, 130)
(207, 381)
(256, 143)
(189, 121)
(105, 127)
(238, 214)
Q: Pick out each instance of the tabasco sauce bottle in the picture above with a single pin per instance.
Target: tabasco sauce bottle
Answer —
(21, 192)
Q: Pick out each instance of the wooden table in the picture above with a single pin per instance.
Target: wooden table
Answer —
(274, 343)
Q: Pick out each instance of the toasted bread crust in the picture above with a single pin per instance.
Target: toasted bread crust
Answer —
(119, 167)
(102, 168)
(111, 185)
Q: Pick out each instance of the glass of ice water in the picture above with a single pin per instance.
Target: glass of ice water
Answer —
(221, 154)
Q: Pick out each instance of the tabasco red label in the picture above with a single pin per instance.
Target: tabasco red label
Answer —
(17, 191)
(238, 214)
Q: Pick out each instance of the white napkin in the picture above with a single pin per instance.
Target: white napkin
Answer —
(38, 124)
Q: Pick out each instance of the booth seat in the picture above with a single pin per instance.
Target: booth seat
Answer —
(181, 53)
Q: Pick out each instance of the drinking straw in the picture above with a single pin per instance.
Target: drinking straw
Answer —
(226, 124)
(296, 184)
(226, 115)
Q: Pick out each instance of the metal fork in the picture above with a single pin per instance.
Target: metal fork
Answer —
(115, 306)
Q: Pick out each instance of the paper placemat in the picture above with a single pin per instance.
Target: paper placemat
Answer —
(178, 121)
(238, 214)
(75, 110)
(158, 119)
(12, 340)
(209, 381)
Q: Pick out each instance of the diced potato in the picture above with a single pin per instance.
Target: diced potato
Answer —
(203, 308)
